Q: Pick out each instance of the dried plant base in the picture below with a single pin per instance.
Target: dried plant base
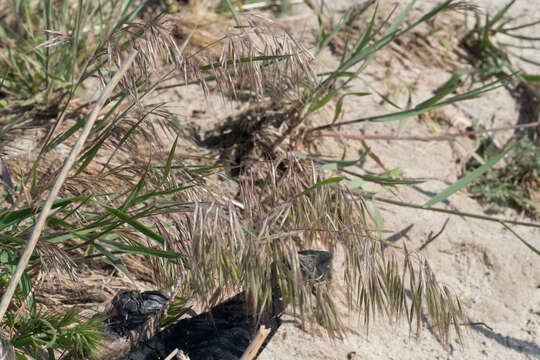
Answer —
(225, 332)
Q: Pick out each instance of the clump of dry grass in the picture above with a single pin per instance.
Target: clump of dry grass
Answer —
(135, 212)
(252, 245)
(103, 219)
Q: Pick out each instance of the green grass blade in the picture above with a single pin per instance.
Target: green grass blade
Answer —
(233, 13)
(523, 37)
(437, 9)
(344, 20)
(71, 235)
(446, 89)
(522, 26)
(126, 137)
(365, 38)
(535, 250)
(139, 250)
(419, 110)
(89, 155)
(395, 25)
(312, 107)
(338, 164)
(11, 124)
(386, 180)
(134, 193)
(531, 77)
(261, 58)
(170, 159)
(339, 104)
(136, 224)
(12, 217)
(499, 15)
(116, 262)
(329, 181)
(150, 195)
(466, 180)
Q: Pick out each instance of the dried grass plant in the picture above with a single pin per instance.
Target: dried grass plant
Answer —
(122, 210)
(253, 246)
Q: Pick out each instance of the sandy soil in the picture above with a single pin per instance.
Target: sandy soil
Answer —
(495, 275)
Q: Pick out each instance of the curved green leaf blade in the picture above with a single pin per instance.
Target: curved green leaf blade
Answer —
(321, 183)
(466, 180)
(140, 250)
(136, 224)
(535, 250)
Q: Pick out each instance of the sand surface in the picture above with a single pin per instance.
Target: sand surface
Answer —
(496, 276)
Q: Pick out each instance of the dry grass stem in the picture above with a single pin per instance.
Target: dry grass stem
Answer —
(34, 237)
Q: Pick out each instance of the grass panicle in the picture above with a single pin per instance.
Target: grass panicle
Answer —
(134, 208)
(254, 246)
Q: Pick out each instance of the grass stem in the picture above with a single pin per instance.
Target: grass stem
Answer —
(68, 163)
